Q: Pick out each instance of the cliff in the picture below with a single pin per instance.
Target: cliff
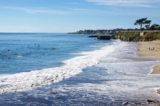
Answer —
(135, 36)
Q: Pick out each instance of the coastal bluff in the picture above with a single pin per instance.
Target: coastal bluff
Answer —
(135, 36)
(124, 35)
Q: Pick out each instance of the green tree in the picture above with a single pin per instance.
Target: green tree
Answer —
(148, 22)
(154, 27)
(140, 22)
(147, 26)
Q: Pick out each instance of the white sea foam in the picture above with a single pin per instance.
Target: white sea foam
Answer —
(29, 80)
(115, 78)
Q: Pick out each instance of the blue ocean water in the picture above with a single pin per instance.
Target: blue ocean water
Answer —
(94, 73)
(23, 52)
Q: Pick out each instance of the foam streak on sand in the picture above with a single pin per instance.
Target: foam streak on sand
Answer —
(29, 80)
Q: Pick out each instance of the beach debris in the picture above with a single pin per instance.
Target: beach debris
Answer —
(126, 104)
(133, 104)
(153, 102)
(150, 101)
(54, 93)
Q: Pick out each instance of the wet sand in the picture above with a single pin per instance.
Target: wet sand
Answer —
(137, 59)
(158, 91)
(150, 50)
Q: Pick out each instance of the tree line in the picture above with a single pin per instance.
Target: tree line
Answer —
(147, 24)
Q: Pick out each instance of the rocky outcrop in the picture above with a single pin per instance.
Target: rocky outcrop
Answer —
(104, 37)
(148, 103)
(93, 36)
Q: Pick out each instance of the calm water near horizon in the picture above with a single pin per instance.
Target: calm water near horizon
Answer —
(68, 70)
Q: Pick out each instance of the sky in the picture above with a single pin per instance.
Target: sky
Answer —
(73, 15)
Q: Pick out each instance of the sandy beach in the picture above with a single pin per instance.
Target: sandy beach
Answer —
(150, 50)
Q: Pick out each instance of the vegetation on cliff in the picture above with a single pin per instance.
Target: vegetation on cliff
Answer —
(151, 36)
(149, 33)
(135, 36)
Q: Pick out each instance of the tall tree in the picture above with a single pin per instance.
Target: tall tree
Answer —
(147, 22)
(140, 22)
(147, 26)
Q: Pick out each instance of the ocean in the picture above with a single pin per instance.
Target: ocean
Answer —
(62, 69)
(24, 52)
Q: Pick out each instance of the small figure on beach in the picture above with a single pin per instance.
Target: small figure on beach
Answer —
(149, 48)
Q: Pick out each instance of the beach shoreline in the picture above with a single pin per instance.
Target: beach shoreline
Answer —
(150, 49)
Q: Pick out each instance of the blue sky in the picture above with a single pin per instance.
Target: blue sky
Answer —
(73, 15)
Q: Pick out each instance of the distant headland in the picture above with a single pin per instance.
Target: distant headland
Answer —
(102, 31)
(147, 33)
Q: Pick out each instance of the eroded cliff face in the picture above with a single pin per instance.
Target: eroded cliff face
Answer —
(135, 36)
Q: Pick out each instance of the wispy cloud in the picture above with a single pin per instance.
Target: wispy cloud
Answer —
(37, 10)
(133, 3)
